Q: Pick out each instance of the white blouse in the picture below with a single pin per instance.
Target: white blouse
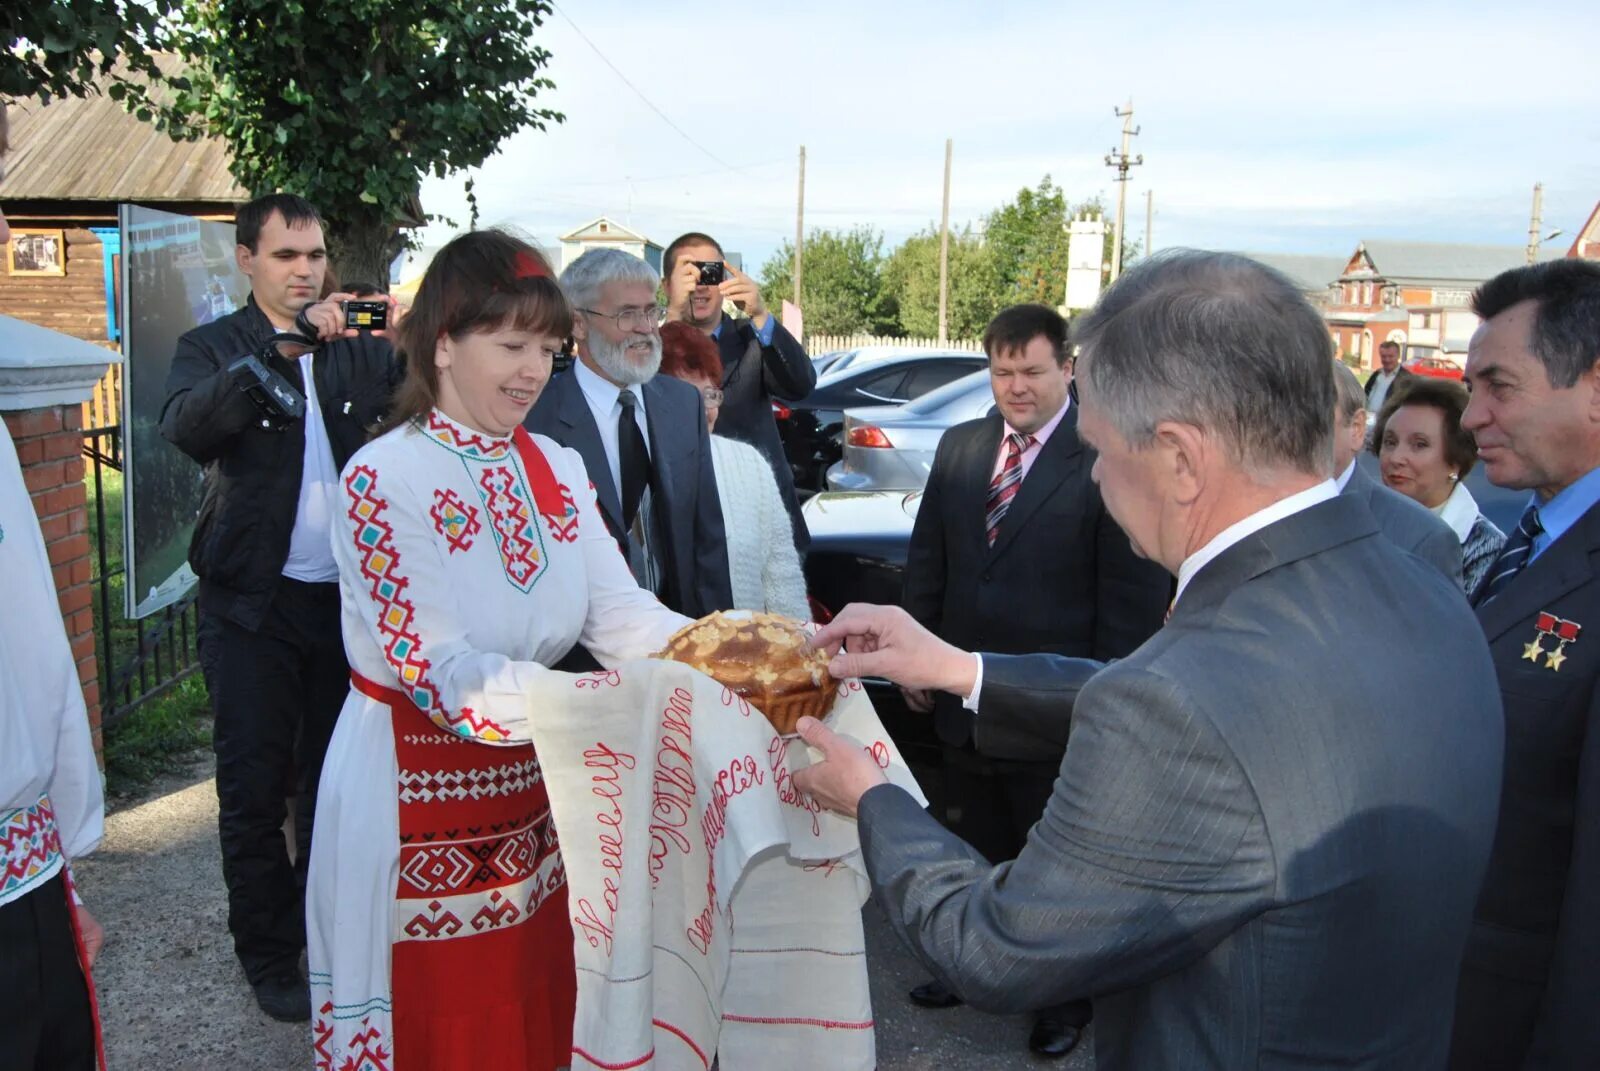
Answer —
(763, 565)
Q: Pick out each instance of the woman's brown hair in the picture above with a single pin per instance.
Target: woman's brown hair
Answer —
(1450, 399)
(481, 281)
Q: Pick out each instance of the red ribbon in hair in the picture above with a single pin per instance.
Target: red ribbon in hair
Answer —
(528, 266)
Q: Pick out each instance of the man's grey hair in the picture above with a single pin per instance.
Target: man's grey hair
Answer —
(1352, 396)
(1220, 342)
(584, 277)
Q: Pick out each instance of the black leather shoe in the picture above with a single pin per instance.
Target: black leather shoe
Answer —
(933, 994)
(1052, 1038)
(285, 997)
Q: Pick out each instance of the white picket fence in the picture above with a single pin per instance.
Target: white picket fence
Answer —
(820, 344)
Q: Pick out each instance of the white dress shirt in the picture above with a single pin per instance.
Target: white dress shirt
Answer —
(1277, 511)
(1380, 389)
(1031, 453)
(310, 547)
(602, 395)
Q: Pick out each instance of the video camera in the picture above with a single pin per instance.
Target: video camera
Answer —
(278, 401)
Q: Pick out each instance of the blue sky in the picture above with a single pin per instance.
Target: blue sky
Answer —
(1266, 126)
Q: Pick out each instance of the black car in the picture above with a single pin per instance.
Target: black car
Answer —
(811, 429)
(858, 554)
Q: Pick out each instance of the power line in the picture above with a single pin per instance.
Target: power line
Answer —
(640, 94)
(624, 181)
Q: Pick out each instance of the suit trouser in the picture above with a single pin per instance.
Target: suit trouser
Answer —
(45, 1017)
(275, 693)
(992, 804)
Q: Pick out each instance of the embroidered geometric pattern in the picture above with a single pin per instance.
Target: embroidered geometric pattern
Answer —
(30, 849)
(467, 443)
(441, 917)
(454, 519)
(380, 565)
(429, 786)
(511, 519)
(459, 866)
(367, 1049)
(564, 527)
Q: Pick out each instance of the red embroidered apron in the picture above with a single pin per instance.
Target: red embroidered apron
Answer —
(484, 977)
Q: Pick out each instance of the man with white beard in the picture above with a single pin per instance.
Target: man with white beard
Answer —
(642, 437)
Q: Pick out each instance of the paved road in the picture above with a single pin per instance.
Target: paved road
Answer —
(173, 998)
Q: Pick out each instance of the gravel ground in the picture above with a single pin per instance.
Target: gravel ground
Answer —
(173, 997)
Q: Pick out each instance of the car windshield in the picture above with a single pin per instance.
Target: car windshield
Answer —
(935, 400)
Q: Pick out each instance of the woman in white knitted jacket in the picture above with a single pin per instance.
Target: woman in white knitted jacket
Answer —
(763, 565)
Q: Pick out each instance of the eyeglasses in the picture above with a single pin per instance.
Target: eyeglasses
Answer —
(712, 395)
(632, 319)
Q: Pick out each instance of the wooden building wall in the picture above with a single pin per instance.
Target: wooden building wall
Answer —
(74, 303)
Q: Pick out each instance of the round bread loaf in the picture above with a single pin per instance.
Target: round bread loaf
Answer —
(761, 657)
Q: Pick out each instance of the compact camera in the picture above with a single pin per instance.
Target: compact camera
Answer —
(278, 401)
(712, 272)
(366, 315)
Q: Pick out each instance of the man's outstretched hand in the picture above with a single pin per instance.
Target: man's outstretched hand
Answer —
(844, 773)
(885, 641)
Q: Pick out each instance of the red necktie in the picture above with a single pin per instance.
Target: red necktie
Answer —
(1003, 488)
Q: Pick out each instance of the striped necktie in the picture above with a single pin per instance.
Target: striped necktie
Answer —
(1513, 557)
(1003, 488)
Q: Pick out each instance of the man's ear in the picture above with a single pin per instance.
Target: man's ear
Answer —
(244, 259)
(1184, 452)
(1594, 390)
(580, 327)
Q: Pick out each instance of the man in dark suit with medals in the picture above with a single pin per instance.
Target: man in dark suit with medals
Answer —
(1530, 984)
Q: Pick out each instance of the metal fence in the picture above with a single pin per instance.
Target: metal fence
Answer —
(138, 660)
(816, 345)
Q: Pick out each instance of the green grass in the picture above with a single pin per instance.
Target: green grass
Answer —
(160, 734)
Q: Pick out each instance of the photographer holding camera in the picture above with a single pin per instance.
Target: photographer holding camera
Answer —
(760, 360)
(273, 419)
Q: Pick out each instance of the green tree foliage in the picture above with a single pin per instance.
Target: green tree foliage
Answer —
(843, 278)
(350, 104)
(61, 47)
(911, 280)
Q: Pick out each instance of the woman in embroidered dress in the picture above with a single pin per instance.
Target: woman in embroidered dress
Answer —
(763, 565)
(472, 558)
(1425, 454)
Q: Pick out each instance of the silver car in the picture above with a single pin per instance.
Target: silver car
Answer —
(891, 449)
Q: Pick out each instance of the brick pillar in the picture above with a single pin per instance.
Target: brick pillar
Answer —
(49, 443)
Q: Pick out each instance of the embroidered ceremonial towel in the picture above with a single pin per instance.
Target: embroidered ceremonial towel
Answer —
(714, 908)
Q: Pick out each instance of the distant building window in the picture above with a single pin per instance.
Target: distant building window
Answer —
(1427, 320)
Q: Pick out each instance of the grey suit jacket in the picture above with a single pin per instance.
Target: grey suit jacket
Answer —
(1408, 525)
(696, 555)
(1268, 831)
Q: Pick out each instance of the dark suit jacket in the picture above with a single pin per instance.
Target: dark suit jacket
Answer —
(1400, 376)
(1270, 821)
(1530, 985)
(1407, 524)
(695, 558)
(1061, 576)
(753, 375)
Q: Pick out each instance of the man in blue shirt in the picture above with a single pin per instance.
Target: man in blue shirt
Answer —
(760, 360)
(1527, 997)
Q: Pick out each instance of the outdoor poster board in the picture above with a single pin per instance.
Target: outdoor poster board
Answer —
(177, 272)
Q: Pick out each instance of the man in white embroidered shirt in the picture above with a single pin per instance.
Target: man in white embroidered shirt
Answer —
(1252, 857)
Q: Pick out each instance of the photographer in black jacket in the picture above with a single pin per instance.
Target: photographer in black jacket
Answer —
(273, 427)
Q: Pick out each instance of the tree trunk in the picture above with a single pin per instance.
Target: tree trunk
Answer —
(361, 252)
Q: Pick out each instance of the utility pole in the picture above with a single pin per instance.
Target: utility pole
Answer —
(1149, 221)
(1536, 222)
(1120, 160)
(800, 228)
(944, 246)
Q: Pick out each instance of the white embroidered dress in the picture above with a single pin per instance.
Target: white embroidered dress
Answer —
(459, 585)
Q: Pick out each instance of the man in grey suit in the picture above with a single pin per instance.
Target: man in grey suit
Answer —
(1406, 523)
(1255, 856)
(642, 436)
